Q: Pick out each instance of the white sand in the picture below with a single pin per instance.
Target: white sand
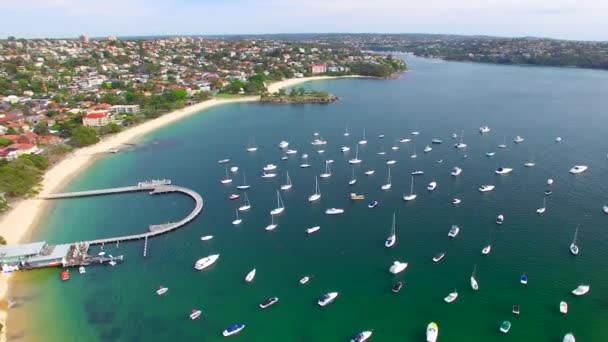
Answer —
(17, 224)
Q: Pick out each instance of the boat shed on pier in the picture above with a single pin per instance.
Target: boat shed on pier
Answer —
(32, 255)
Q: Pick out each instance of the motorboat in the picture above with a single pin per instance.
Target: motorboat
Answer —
(530, 164)
(563, 307)
(500, 219)
(397, 267)
(518, 139)
(320, 151)
(454, 230)
(233, 330)
(548, 192)
(505, 326)
(372, 204)
(450, 298)
(454, 136)
(345, 149)
(234, 197)
(287, 185)
(456, 201)
(558, 139)
(573, 246)
(355, 160)
(291, 151)
(456, 171)
(542, 209)
(432, 186)
(436, 141)
(234, 169)
(247, 205)
(516, 310)
(484, 129)
(391, 162)
(438, 257)
(411, 196)
(362, 336)
(486, 188)
(356, 197)
(327, 298)
(427, 149)
(206, 237)
(490, 154)
(304, 280)
(268, 175)
(237, 220)
(318, 142)
(269, 167)
(569, 337)
(327, 172)
(380, 136)
(388, 184)
(269, 302)
(503, 170)
(312, 229)
(162, 290)
(205, 262)
(417, 172)
(523, 279)
(405, 140)
(581, 290)
(473, 280)
(370, 172)
(549, 181)
(226, 180)
(334, 211)
(304, 156)
(394, 148)
(392, 238)
(304, 165)
(576, 169)
(82, 270)
(432, 331)
(243, 186)
(65, 275)
(249, 277)
(194, 314)
(486, 250)
(397, 287)
(317, 195)
(605, 209)
(223, 161)
(283, 144)
(272, 225)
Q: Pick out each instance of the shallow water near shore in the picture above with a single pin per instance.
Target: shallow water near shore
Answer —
(347, 253)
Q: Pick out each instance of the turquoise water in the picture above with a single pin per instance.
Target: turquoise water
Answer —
(347, 254)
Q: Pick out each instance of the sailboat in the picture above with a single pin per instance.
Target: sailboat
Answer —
(474, 284)
(363, 141)
(355, 160)
(247, 205)
(250, 276)
(461, 144)
(280, 206)
(390, 241)
(243, 186)
(414, 156)
(412, 195)
(542, 209)
(388, 184)
(487, 249)
(381, 153)
(531, 163)
(504, 143)
(237, 220)
(272, 225)
(327, 173)
(346, 133)
(226, 180)
(573, 246)
(252, 147)
(317, 194)
(353, 180)
(288, 185)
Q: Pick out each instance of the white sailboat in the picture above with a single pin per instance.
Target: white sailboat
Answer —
(414, 155)
(272, 225)
(226, 180)
(355, 160)
(250, 276)
(353, 180)
(252, 147)
(461, 144)
(317, 195)
(237, 220)
(346, 133)
(542, 209)
(288, 185)
(247, 205)
(243, 186)
(504, 143)
(412, 195)
(280, 206)
(388, 184)
(573, 246)
(392, 239)
(363, 141)
(327, 173)
(474, 284)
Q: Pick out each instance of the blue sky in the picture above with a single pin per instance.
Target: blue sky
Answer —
(568, 19)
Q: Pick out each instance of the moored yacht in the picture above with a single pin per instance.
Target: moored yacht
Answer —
(223, 161)
(327, 172)
(397, 287)
(576, 169)
(226, 180)
(523, 279)
(345, 149)
(237, 220)
(362, 336)
(542, 209)
(304, 280)
(504, 143)
(233, 330)
(605, 209)
(484, 129)
(450, 298)
(312, 229)
(334, 211)
(370, 172)
(505, 327)
(162, 290)
(518, 139)
(486, 250)
(432, 186)
(247, 205)
(243, 186)
(486, 188)
(392, 238)
(355, 160)
(454, 230)
(473, 280)
(581, 290)
(397, 267)
(291, 151)
(427, 149)
(411, 196)
(327, 298)
(436, 141)
(569, 337)
(280, 206)
(490, 154)
(206, 262)
(234, 169)
(269, 302)
(287, 185)
(283, 144)
(249, 277)
(563, 307)
(500, 219)
(438, 257)
(456, 201)
(388, 184)
(461, 144)
(194, 314)
(432, 331)
(372, 204)
(317, 195)
(456, 171)
(363, 141)
(503, 170)
(272, 225)
(206, 237)
(573, 246)
(268, 175)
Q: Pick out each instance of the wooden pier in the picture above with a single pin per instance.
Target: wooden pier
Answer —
(154, 188)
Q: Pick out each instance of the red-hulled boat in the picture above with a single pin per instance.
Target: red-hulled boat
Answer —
(65, 275)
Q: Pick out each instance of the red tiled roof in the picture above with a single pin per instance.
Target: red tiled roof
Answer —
(96, 115)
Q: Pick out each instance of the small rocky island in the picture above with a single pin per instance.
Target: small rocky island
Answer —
(298, 96)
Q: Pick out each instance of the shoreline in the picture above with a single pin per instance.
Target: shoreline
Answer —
(19, 222)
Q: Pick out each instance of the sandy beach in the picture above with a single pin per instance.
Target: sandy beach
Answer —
(18, 223)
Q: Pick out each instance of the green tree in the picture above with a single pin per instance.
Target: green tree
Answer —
(113, 127)
(84, 136)
(2, 240)
(5, 142)
(41, 128)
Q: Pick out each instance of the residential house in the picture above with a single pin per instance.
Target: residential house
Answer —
(97, 119)
(319, 68)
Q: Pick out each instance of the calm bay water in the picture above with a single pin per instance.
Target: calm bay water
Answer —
(347, 254)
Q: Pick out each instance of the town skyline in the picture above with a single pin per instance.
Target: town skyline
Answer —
(131, 18)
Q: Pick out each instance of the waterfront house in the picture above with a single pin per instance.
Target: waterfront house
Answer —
(97, 119)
